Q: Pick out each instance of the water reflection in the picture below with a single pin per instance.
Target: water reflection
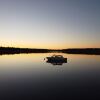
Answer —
(29, 74)
(56, 63)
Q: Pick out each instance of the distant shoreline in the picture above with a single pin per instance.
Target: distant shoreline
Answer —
(91, 51)
(12, 50)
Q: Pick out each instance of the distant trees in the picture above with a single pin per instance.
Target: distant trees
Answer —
(12, 50)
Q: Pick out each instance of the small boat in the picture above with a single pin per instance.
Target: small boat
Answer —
(57, 59)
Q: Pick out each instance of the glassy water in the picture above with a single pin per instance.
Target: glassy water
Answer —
(30, 75)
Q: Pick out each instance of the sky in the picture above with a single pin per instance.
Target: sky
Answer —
(51, 24)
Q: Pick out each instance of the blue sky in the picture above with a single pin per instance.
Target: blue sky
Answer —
(50, 23)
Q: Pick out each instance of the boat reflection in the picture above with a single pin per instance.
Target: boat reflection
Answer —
(56, 63)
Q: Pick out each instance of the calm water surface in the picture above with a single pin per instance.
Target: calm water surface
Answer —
(29, 74)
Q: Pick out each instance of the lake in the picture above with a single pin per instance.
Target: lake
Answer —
(30, 75)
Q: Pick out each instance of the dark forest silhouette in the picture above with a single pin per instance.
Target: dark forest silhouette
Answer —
(94, 51)
(12, 50)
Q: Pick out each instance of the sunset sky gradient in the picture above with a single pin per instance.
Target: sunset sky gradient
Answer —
(50, 23)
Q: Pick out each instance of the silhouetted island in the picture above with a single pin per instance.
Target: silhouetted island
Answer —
(12, 50)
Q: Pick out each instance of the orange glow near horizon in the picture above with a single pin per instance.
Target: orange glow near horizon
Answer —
(49, 46)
